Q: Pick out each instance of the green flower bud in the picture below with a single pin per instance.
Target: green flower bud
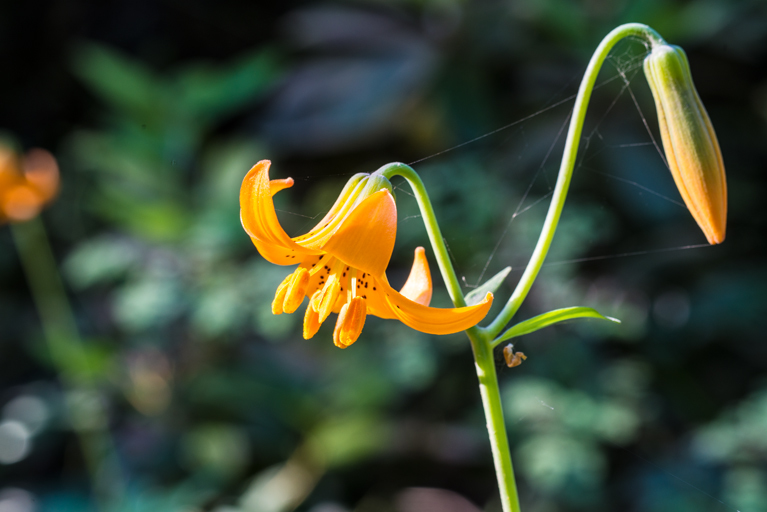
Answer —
(689, 140)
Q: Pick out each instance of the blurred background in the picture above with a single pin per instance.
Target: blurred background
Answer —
(189, 395)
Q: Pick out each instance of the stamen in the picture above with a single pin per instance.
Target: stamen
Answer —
(296, 290)
(311, 319)
(353, 287)
(279, 296)
(351, 320)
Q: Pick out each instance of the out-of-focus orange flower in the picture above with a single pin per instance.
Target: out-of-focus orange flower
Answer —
(689, 140)
(26, 184)
(342, 261)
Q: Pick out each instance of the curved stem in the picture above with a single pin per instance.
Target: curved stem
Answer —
(566, 168)
(481, 338)
(432, 227)
(68, 356)
(480, 343)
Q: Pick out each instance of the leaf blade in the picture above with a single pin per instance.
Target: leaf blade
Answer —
(477, 295)
(550, 318)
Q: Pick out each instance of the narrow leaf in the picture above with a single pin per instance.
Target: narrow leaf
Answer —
(550, 318)
(477, 295)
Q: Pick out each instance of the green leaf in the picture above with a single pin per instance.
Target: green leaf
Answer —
(477, 295)
(119, 80)
(212, 92)
(550, 318)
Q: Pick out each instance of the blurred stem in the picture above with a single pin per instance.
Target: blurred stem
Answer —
(566, 168)
(68, 356)
(480, 343)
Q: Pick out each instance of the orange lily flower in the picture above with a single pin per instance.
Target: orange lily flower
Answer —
(27, 185)
(342, 261)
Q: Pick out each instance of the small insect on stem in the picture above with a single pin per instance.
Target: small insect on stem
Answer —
(513, 359)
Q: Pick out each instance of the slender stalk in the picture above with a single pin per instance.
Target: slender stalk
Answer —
(566, 168)
(481, 338)
(496, 423)
(67, 354)
(480, 343)
(432, 227)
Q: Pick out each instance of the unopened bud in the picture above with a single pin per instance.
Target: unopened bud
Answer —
(689, 140)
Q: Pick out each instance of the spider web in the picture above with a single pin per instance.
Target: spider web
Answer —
(624, 66)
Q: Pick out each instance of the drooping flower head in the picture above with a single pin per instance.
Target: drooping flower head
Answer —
(689, 141)
(342, 261)
(26, 184)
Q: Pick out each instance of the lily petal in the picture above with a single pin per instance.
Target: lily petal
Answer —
(42, 173)
(365, 239)
(260, 220)
(418, 286)
(435, 320)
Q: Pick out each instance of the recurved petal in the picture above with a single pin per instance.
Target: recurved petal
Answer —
(260, 220)
(435, 320)
(418, 286)
(365, 239)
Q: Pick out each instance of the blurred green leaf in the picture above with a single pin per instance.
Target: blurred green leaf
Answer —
(124, 83)
(344, 440)
(211, 92)
(551, 318)
(100, 259)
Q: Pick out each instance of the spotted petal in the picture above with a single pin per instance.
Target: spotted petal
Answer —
(365, 239)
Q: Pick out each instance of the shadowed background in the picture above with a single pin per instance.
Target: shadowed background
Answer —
(156, 110)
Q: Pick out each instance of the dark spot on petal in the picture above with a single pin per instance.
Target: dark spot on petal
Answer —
(373, 288)
(344, 274)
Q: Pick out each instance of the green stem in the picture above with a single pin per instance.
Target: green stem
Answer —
(496, 424)
(566, 168)
(432, 227)
(481, 338)
(68, 355)
(480, 343)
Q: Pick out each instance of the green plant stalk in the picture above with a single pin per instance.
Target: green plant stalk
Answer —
(482, 338)
(66, 352)
(566, 168)
(480, 343)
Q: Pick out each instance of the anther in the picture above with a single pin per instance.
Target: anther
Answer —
(351, 320)
(296, 290)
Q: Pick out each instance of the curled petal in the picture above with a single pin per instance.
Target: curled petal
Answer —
(260, 220)
(436, 320)
(418, 286)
